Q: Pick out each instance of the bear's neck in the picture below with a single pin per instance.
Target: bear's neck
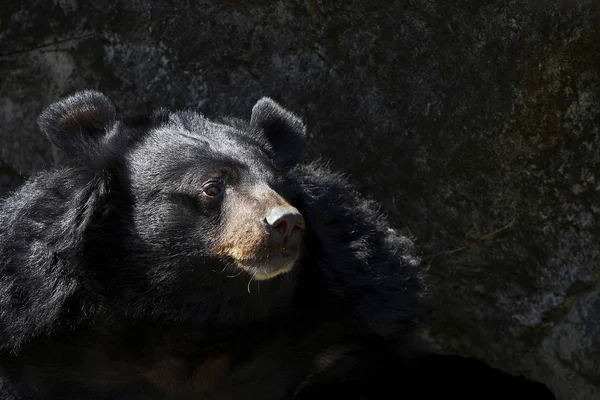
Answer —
(221, 302)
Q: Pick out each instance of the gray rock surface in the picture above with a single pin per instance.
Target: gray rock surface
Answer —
(476, 123)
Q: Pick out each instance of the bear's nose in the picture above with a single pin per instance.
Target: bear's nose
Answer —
(283, 221)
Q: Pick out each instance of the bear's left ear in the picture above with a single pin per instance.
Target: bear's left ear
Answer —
(79, 123)
(283, 129)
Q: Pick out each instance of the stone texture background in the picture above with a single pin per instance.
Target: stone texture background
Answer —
(476, 123)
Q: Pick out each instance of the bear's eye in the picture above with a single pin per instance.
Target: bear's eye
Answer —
(212, 189)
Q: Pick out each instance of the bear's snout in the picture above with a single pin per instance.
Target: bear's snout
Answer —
(283, 223)
(263, 233)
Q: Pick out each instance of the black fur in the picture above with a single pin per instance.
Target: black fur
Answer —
(282, 128)
(109, 288)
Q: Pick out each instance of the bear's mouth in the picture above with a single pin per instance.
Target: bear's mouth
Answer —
(269, 267)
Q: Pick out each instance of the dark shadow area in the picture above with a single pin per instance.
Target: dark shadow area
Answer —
(9, 179)
(432, 377)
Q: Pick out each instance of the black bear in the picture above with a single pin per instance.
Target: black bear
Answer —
(174, 256)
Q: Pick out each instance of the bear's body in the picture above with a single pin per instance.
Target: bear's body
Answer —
(179, 258)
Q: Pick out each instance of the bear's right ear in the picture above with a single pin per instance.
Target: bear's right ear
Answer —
(283, 129)
(77, 124)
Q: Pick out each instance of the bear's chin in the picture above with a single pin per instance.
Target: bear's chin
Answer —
(264, 269)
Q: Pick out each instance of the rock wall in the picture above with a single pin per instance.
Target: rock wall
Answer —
(475, 122)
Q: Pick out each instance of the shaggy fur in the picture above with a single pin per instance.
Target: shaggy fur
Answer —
(111, 285)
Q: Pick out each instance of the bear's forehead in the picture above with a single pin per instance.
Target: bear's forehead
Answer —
(209, 139)
(172, 148)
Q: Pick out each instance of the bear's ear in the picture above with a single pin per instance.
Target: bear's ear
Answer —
(77, 124)
(283, 129)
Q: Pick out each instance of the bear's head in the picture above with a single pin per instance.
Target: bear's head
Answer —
(192, 212)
